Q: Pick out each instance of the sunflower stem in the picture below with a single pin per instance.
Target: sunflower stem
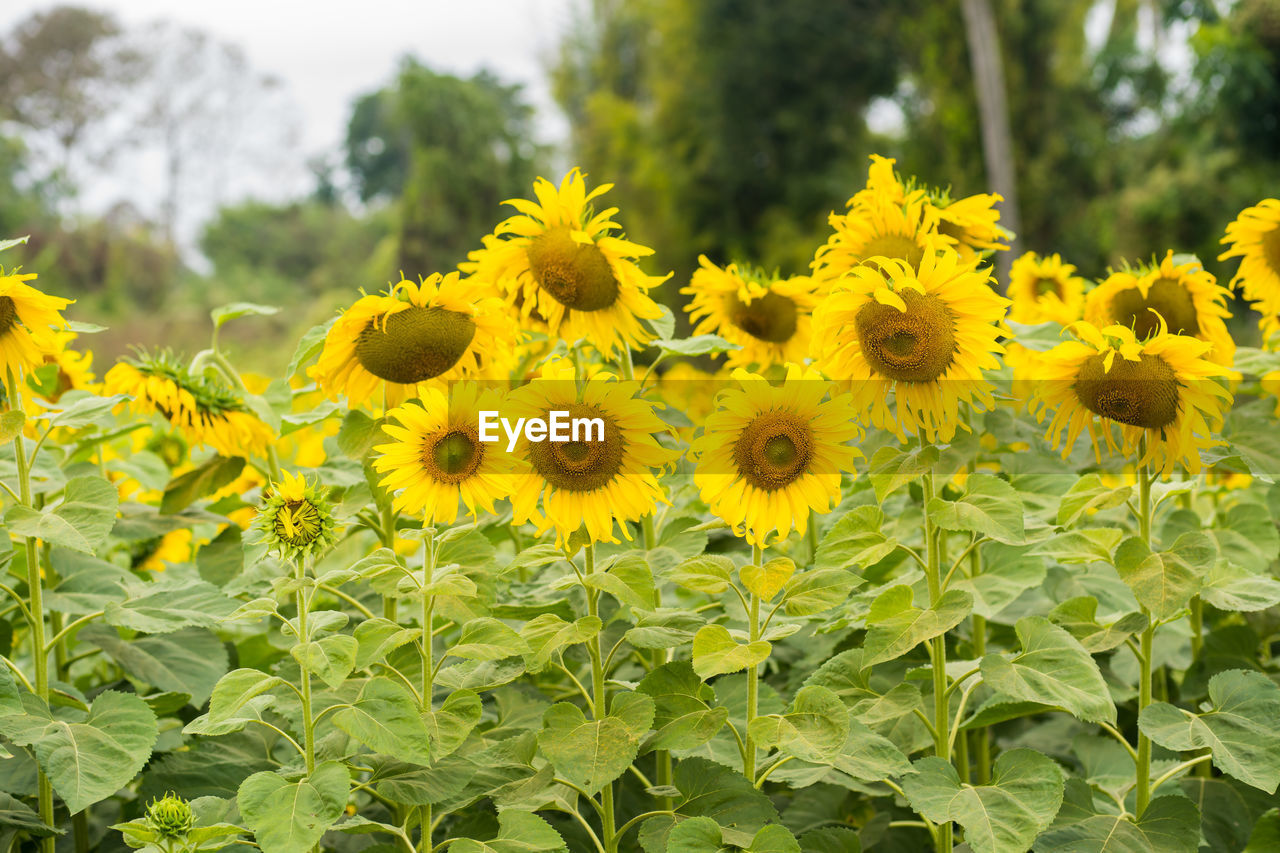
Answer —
(811, 538)
(428, 654)
(35, 606)
(978, 639)
(753, 675)
(388, 536)
(304, 637)
(600, 703)
(937, 651)
(1143, 761)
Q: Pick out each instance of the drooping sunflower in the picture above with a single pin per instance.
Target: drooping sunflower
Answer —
(559, 265)
(1254, 237)
(925, 335)
(767, 315)
(1162, 389)
(204, 412)
(296, 519)
(879, 227)
(436, 457)
(1044, 290)
(28, 319)
(771, 453)
(607, 476)
(437, 330)
(1183, 298)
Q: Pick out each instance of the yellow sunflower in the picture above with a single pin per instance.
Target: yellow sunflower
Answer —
(607, 476)
(1254, 237)
(1181, 297)
(878, 227)
(973, 222)
(436, 456)
(927, 335)
(28, 319)
(882, 182)
(438, 330)
(1162, 389)
(173, 547)
(296, 519)
(203, 412)
(768, 316)
(771, 453)
(559, 265)
(1045, 290)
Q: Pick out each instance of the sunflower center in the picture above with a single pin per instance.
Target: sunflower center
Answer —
(454, 456)
(8, 313)
(1271, 249)
(771, 318)
(297, 523)
(417, 344)
(916, 345)
(1166, 296)
(774, 450)
(580, 466)
(1140, 393)
(1045, 286)
(894, 246)
(577, 275)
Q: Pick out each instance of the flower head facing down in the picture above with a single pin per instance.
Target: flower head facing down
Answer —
(296, 519)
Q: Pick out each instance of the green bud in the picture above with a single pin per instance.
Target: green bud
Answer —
(170, 816)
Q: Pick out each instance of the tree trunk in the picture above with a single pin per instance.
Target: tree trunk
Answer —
(993, 110)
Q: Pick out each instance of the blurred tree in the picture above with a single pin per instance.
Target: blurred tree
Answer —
(452, 149)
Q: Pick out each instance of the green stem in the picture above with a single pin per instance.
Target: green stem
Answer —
(753, 675)
(1142, 764)
(811, 539)
(389, 541)
(937, 653)
(428, 658)
(600, 704)
(304, 636)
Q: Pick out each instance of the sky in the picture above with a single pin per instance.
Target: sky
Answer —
(327, 53)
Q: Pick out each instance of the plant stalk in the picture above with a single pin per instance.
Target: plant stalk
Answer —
(304, 637)
(1142, 767)
(428, 660)
(937, 653)
(753, 676)
(600, 704)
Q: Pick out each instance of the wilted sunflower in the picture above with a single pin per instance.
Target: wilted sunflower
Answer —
(28, 319)
(879, 227)
(925, 335)
(768, 316)
(607, 476)
(437, 330)
(1044, 290)
(204, 412)
(295, 518)
(1162, 389)
(558, 263)
(436, 456)
(1182, 298)
(1254, 237)
(771, 453)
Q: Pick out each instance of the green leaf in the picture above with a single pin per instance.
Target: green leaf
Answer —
(989, 506)
(169, 604)
(386, 718)
(767, 580)
(224, 313)
(1007, 572)
(1088, 495)
(1239, 728)
(817, 590)
(17, 241)
(81, 521)
(488, 639)
(1232, 587)
(79, 409)
(895, 625)
(712, 791)
(309, 346)
(1083, 545)
(87, 757)
(358, 434)
(1169, 825)
(831, 839)
(1249, 538)
(715, 652)
(696, 345)
(627, 579)
(709, 573)
(1052, 668)
(518, 832)
(704, 835)
(207, 478)
(11, 423)
(449, 725)
(16, 815)
(1079, 616)
(589, 753)
(1164, 582)
(10, 700)
(813, 729)
(548, 634)
(378, 637)
(189, 661)
(892, 468)
(330, 659)
(868, 756)
(1004, 816)
(856, 540)
(683, 714)
(290, 817)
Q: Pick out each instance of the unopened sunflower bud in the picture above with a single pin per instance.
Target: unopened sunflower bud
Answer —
(295, 519)
(170, 816)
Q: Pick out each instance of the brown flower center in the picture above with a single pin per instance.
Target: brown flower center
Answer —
(1271, 249)
(1166, 296)
(770, 318)
(580, 466)
(1046, 285)
(1140, 393)
(774, 450)
(297, 523)
(916, 345)
(454, 456)
(8, 314)
(894, 246)
(577, 275)
(415, 344)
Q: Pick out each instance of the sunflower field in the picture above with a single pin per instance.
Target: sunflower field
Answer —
(877, 558)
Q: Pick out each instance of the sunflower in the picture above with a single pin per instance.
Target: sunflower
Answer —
(1161, 389)
(878, 227)
(1254, 237)
(771, 453)
(27, 322)
(925, 334)
(1045, 290)
(437, 330)
(973, 223)
(205, 413)
(560, 267)
(608, 476)
(882, 183)
(172, 547)
(436, 456)
(295, 518)
(766, 315)
(1182, 297)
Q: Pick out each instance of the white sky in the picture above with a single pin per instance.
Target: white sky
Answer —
(328, 52)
